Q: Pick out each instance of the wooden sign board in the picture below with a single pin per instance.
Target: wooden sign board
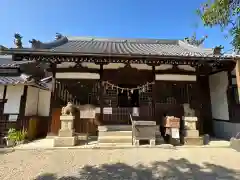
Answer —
(98, 110)
(175, 133)
(13, 117)
(87, 114)
(106, 110)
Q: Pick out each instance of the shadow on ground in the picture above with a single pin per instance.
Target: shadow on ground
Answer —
(180, 169)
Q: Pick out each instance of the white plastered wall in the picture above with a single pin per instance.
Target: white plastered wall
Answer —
(38, 102)
(175, 77)
(77, 75)
(13, 96)
(32, 101)
(44, 102)
(1, 91)
(218, 84)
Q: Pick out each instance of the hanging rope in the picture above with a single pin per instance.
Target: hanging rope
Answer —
(108, 85)
(142, 88)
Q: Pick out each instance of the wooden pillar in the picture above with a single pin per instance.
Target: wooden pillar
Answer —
(2, 116)
(21, 121)
(4, 92)
(153, 93)
(199, 104)
(230, 95)
(52, 101)
(237, 69)
(101, 93)
(4, 100)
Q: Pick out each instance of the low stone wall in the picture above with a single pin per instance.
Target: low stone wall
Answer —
(225, 130)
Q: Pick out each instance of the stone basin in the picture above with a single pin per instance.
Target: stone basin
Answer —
(144, 130)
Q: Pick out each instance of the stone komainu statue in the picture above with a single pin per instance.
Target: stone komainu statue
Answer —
(188, 111)
(68, 110)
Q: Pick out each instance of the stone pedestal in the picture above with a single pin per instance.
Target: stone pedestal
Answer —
(198, 141)
(66, 133)
(191, 134)
(65, 141)
(190, 123)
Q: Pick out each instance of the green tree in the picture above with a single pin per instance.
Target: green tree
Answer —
(223, 13)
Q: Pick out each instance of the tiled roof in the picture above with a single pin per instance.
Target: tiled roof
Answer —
(13, 80)
(131, 46)
(7, 62)
(16, 79)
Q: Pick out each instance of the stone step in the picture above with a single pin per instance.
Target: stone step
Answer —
(115, 128)
(121, 140)
(115, 139)
(115, 144)
(193, 141)
(114, 133)
(191, 133)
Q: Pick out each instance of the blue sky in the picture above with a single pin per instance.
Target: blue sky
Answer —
(104, 18)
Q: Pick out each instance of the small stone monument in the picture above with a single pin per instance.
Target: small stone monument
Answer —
(66, 135)
(191, 134)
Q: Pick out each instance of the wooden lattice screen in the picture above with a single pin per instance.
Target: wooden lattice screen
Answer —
(175, 93)
(79, 93)
(145, 96)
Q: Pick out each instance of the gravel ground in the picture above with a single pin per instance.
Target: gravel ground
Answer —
(137, 163)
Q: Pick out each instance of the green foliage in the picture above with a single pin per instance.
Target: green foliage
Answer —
(15, 135)
(223, 13)
(11, 134)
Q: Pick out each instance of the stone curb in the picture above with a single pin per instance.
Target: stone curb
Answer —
(118, 147)
(182, 147)
(6, 150)
(93, 148)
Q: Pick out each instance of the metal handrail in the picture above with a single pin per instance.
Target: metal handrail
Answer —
(237, 135)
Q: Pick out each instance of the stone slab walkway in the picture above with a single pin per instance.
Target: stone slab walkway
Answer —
(48, 144)
(137, 163)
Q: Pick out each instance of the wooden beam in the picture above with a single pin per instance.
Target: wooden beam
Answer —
(173, 71)
(71, 69)
(121, 58)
